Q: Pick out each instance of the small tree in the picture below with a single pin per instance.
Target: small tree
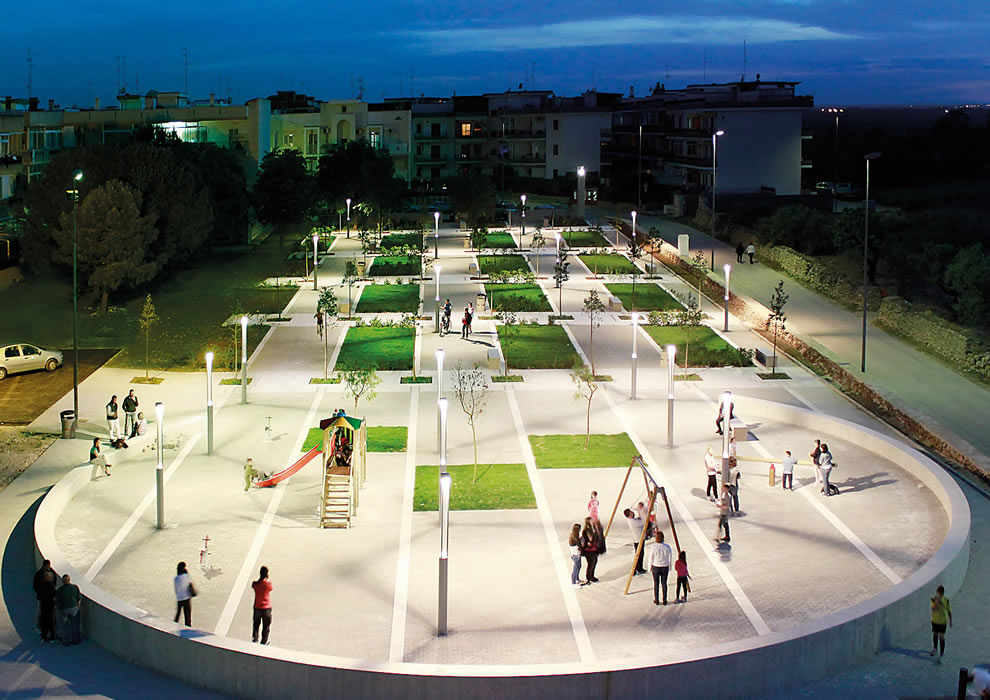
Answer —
(327, 303)
(560, 275)
(471, 390)
(350, 277)
(538, 242)
(594, 307)
(700, 268)
(367, 239)
(359, 383)
(146, 320)
(584, 379)
(652, 238)
(777, 318)
(510, 324)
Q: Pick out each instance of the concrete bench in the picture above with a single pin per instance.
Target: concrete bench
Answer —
(614, 304)
(740, 429)
(494, 361)
(473, 268)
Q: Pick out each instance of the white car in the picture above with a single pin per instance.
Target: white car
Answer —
(24, 357)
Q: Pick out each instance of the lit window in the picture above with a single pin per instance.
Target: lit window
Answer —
(375, 139)
(466, 129)
(287, 140)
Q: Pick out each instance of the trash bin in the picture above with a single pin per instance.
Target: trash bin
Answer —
(480, 304)
(68, 419)
(360, 268)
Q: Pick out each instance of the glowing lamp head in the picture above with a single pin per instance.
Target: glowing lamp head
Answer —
(671, 353)
(436, 217)
(581, 171)
(244, 322)
(209, 360)
(77, 174)
(159, 411)
(720, 132)
(523, 198)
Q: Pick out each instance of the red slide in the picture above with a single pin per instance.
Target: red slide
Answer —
(289, 471)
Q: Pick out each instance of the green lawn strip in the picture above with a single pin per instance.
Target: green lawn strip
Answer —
(415, 380)
(585, 239)
(235, 381)
(567, 451)
(499, 487)
(608, 264)
(401, 240)
(381, 348)
(648, 297)
(385, 298)
(499, 240)
(488, 264)
(518, 297)
(507, 378)
(538, 347)
(321, 380)
(707, 348)
(394, 265)
(381, 438)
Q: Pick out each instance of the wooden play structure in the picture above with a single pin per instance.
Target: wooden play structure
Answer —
(655, 493)
(345, 453)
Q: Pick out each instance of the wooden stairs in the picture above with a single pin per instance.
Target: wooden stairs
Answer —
(337, 507)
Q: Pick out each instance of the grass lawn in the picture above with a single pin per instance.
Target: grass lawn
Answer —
(585, 239)
(384, 298)
(538, 347)
(499, 239)
(707, 348)
(608, 264)
(567, 451)
(649, 297)
(499, 487)
(380, 348)
(501, 263)
(400, 240)
(381, 438)
(518, 297)
(395, 265)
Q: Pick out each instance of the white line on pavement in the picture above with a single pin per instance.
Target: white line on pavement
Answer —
(802, 399)
(254, 551)
(562, 568)
(403, 561)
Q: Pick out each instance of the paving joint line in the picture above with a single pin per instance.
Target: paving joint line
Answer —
(403, 562)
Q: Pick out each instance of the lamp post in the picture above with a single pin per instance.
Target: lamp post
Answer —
(639, 171)
(715, 136)
(348, 200)
(725, 323)
(726, 432)
(439, 356)
(835, 157)
(77, 176)
(633, 239)
(209, 403)
(436, 235)
(635, 329)
(316, 261)
(444, 532)
(560, 282)
(671, 353)
(522, 219)
(866, 246)
(442, 409)
(436, 299)
(160, 467)
(244, 325)
(581, 193)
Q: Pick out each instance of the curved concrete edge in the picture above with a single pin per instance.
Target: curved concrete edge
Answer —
(750, 667)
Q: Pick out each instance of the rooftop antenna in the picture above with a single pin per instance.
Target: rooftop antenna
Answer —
(532, 75)
(123, 73)
(185, 69)
(30, 67)
(666, 70)
(360, 88)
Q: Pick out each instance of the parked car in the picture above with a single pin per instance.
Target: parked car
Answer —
(24, 357)
(825, 186)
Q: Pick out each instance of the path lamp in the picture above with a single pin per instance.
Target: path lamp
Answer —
(442, 408)
(715, 136)
(436, 299)
(77, 176)
(726, 432)
(671, 354)
(439, 355)
(581, 193)
(633, 239)
(244, 325)
(835, 157)
(635, 330)
(348, 200)
(436, 234)
(160, 467)
(209, 403)
(725, 323)
(522, 220)
(866, 244)
(316, 260)
(444, 533)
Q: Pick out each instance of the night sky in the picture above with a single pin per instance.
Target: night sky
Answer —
(842, 51)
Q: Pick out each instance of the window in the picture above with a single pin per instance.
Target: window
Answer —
(435, 130)
(312, 142)
(556, 125)
(287, 140)
(434, 152)
(30, 350)
(343, 109)
(375, 138)
(12, 351)
(556, 173)
(466, 129)
(556, 150)
(4, 144)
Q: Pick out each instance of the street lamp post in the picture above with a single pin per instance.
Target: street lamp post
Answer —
(436, 235)
(444, 532)
(633, 238)
(316, 261)
(522, 220)
(160, 467)
(671, 353)
(439, 356)
(436, 300)
(560, 282)
(442, 409)
(209, 403)
(725, 323)
(835, 156)
(635, 329)
(244, 325)
(77, 176)
(348, 200)
(866, 246)
(581, 193)
(726, 432)
(639, 171)
(715, 136)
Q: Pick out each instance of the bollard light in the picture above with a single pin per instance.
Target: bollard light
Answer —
(209, 403)
(522, 219)
(444, 507)
(439, 356)
(436, 234)
(160, 467)
(316, 261)
(436, 299)
(725, 323)
(671, 357)
(244, 325)
(633, 234)
(635, 329)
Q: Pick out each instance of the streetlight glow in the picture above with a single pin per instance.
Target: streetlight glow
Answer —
(77, 176)
(209, 403)
(671, 356)
(436, 234)
(244, 325)
(316, 260)
(635, 357)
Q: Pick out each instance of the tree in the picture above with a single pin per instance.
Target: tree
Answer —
(537, 244)
(968, 277)
(587, 385)
(350, 277)
(510, 324)
(146, 320)
(367, 239)
(700, 268)
(653, 240)
(777, 319)
(471, 389)
(594, 307)
(283, 192)
(359, 383)
(560, 275)
(472, 197)
(358, 171)
(327, 303)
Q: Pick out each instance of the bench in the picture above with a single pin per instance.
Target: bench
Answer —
(740, 430)
(494, 361)
(473, 268)
(614, 304)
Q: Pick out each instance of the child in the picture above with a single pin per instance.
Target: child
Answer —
(680, 567)
(593, 505)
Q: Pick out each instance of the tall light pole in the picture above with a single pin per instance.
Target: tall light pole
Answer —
(726, 432)
(635, 332)
(835, 157)
(244, 325)
(436, 299)
(725, 323)
(442, 409)
(581, 192)
(77, 176)
(633, 237)
(671, 354)
(522, 219)
(715, 136)
(439, 356)
(444, 532)
(560, 282)
(316, 261)
(160, 467)
(209, 403)
(866, 246)
(639, 171)
(436, 235)
(348, 200)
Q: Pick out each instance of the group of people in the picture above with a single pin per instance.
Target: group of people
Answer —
(587, 543)
(821, 457)
(185, 591)
(134, 422)
(58, 606)
(749, 250)
(726, 500)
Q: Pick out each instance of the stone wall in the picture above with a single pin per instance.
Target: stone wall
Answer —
(818, 276)
(940, 337)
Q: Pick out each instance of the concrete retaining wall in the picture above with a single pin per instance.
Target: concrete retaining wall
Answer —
(745, 668)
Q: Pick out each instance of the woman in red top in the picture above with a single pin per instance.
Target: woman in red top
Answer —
(262, 606)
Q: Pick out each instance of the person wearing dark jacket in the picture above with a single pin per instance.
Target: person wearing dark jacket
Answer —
(45, 582)
(130, 406)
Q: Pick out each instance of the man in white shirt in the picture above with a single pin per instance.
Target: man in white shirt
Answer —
(787, 468)
(635, 524)
(661, 557)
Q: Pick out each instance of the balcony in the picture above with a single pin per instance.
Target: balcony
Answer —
(528, 158)
(519, 134)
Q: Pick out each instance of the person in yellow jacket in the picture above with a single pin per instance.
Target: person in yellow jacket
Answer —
(941, 614)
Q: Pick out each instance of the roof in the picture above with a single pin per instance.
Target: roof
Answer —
(341, 422)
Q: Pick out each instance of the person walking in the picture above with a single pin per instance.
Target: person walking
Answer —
(262, 607)
(574, 547)
(590, 546)
(750, 251)
(721, 418)
(130, 406)
(45, 581)
(319, 323)
(99, 461)
(739, 251)
(787, 469)
(724, 505)
(67, 601)
(815, 455)
(941, 614)
(661, 557)
(825, 464)
(636, 523)
(681, 569)
(593, 506)
(734, 484)
(470, 317)
(184, 593)
(711, 470)
(113, 422)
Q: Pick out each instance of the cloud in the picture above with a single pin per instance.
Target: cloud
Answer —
(624, 31)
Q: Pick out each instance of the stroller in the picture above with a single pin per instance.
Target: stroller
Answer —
(444, 324)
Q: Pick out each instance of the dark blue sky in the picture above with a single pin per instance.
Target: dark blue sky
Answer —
(842, 51)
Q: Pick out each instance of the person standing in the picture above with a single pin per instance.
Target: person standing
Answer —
(184, 593)
(680, 567)
(593, 506)
(574, 547)
(250, 473)
(470, 317)
(590, 546)
(465, 322)
(825, 464)
(130, 407)
(67, 601)
(787, 469)
(98, 460)
(636, 524)
(711, 470)
(262, 606)
(734, 484)
(661, 557)
(751, 251)
(113, 422)
(815, 454)
(724, 505)
(45, 581)
(739, 252)
(941, 614)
